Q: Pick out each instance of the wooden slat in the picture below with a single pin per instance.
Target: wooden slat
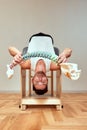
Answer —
(40, 101)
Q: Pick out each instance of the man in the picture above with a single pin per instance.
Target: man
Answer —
(39, 65)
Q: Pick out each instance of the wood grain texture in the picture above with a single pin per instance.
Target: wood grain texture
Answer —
(72, 117)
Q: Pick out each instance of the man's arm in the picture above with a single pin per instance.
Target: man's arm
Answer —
(64, 55)
(18, 58)
(61, 59)
(67, 52)
(13, 51)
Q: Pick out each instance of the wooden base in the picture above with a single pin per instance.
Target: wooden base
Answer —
(41, 101)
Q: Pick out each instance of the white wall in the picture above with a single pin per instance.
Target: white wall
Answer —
(65, 20)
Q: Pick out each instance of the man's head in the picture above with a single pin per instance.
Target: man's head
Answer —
(40, 82)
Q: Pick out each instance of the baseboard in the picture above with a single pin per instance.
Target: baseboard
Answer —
(63, 91)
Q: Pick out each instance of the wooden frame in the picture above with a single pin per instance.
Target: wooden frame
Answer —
(53, 99)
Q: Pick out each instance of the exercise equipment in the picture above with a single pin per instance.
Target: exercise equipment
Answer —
(27, 98)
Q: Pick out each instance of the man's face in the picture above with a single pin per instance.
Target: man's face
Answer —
(40, 80)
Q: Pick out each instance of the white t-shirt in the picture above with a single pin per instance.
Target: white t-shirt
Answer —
(40, 43)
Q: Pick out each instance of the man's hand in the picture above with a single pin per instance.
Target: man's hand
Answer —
(17, 60)
(62, 58)
(64, 55)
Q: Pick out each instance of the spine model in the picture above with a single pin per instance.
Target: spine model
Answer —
(47, 55)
